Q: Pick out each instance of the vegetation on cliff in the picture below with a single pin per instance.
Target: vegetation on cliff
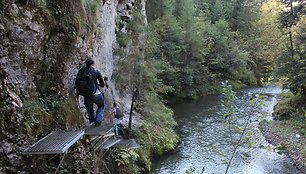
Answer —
(38, 38)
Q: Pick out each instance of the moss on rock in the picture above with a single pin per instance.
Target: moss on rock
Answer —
(290, 106)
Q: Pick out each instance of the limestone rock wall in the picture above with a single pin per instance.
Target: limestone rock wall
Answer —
(40, 57)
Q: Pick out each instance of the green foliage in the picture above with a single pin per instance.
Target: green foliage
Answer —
(91, 6)
(124, 156)
(162, 139)
(169, 44)
(160, 119)
(292, 64)
(63, 16)
(40, 116)
(229, 97)
(124, 160)
(270, 43)
(298, 64)
(182, 44)
(292, 109)
(156, 136)
(287, 18)
(123, 39)
(218, 11)
(71, 114)
(231, 61)
(141, 67)
(36, 118)
(136, 23)
(236, 84)
(287, 107)
(281, 149)
(155, 9)
(208, 40)
(44, 114)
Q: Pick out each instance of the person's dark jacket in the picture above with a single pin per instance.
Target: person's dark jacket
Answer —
(96, 73)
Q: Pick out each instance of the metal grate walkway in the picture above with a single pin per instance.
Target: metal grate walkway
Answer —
(127, 143)
(105, 128)
(55, 143)
(109, 143)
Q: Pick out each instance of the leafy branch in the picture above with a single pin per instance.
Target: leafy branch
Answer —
(228, 102)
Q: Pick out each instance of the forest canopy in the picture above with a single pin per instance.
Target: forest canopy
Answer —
(244, 41)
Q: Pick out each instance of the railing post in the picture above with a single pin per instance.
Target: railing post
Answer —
(132, 106)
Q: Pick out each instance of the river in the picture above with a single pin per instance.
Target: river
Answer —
(205, 139)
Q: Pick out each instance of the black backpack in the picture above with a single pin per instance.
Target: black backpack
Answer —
(85, 83)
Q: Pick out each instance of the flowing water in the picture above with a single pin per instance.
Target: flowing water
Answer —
(206, 141)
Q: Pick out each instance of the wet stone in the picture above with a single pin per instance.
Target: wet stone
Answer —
(2, 27)
(13, 10)
(7, 147)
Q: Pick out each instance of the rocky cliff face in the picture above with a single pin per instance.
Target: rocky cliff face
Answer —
(42, 46)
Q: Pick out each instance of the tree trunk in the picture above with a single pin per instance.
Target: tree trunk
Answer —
(290, 30)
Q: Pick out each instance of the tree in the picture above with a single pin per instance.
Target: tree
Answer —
(298, 74)
(289, 18)
(226, 57)
(293, 63)
(223, 39)
(182, 44)
(169, 36)
(271, 43)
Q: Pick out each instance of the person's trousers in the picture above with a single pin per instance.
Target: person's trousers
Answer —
(89, 102)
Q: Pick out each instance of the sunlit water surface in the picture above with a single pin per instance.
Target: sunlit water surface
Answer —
(206, 142)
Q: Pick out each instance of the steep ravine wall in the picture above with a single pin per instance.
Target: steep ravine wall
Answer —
(42, 47)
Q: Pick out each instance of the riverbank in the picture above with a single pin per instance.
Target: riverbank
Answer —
(287, 140)
(287, 130)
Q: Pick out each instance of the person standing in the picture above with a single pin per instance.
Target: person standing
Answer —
(117, 119)
(87, 84)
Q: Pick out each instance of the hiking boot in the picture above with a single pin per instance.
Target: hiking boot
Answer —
(98, 123)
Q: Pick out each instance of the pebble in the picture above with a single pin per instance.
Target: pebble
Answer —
(14, 10)
(27, 15)
(2, 27)
(7, 147)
